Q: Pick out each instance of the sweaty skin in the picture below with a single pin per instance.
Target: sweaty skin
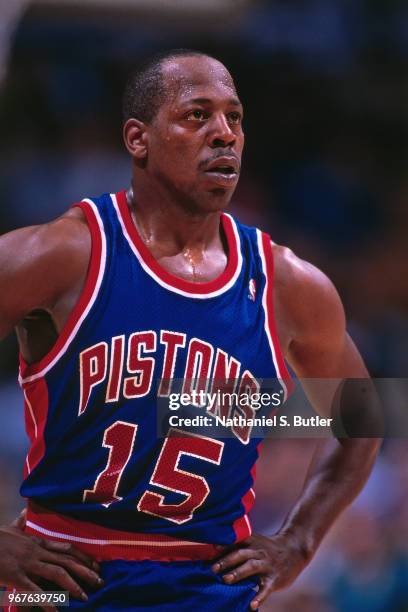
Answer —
(176, 201)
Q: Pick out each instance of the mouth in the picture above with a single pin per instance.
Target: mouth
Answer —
(223, 170)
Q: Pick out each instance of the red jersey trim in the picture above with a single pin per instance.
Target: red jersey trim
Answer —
(30, 372)
(266, 253)
(36, 411)
(242, 526)
(208, 289)
(103, 543)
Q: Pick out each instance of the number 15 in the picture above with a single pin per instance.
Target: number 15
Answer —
(120, 438)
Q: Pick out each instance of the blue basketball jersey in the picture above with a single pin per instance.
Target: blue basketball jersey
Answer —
(97, 471)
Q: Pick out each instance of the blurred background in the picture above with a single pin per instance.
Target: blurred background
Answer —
(324, 85)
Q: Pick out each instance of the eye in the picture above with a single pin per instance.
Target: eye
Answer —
(235, 118)
(196, 115)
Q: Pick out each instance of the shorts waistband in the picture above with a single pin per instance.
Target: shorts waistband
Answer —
(104, 544)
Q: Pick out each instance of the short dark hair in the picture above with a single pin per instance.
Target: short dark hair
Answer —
(145, 91)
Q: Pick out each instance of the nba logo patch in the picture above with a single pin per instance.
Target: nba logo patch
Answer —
(252, 290)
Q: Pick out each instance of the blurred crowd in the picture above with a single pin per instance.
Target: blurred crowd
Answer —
(323, 84)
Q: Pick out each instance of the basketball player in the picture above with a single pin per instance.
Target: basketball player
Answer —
(152, 284)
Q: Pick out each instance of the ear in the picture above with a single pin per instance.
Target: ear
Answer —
(135, 137)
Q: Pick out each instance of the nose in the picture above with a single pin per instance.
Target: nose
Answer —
(220, 133)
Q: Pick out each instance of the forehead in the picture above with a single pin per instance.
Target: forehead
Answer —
(196, 77)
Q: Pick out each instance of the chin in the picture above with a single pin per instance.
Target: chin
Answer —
(206, 201)
(215, 200)
(220, 198)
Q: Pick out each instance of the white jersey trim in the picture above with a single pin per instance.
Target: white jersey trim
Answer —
(150, 543)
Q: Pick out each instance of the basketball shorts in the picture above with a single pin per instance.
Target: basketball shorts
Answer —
(178, 586)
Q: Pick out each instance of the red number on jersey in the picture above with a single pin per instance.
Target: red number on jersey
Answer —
(169, 476)
(119, 438)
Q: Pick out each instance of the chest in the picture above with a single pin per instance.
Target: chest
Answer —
(157, 333)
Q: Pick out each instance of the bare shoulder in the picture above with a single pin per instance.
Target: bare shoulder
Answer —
(306, 298)
(65, 235)
(62, 233)
(311, 321)
(39, 263)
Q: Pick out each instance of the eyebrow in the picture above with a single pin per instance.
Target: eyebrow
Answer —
(232, 101)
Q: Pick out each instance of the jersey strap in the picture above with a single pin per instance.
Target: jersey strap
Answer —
(266, 254)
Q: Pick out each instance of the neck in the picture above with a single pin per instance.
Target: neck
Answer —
(166, 226)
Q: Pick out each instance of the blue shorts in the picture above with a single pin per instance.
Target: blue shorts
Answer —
(178, 586)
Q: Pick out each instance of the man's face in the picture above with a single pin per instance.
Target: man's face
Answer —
(195, 142)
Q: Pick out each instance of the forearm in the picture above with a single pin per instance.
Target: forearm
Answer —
(337, 473)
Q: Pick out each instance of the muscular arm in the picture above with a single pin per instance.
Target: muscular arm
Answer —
(321, 348)
(312, 331)
(42, 269)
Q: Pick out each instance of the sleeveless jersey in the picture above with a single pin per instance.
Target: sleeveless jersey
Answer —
(91, 402)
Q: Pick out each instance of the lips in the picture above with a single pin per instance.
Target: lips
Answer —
(223, 170)
(223, 165)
